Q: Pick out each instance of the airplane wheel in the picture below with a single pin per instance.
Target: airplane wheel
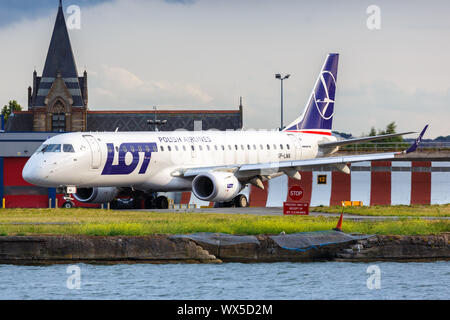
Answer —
(162, 203)
(68, 205)
(218, 204)
(241, 201)
(150, 203)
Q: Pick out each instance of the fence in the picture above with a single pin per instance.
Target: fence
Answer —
(397, 146)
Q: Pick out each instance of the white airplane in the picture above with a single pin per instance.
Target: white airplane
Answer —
(216, 166)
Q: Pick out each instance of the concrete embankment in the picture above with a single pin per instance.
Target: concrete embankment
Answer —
(216, 248)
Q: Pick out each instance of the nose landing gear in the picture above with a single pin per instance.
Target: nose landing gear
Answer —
(68, 200)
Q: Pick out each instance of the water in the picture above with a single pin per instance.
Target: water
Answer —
(230, 281)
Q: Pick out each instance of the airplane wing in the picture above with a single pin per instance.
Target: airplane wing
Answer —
(268, 169)
(360, 140)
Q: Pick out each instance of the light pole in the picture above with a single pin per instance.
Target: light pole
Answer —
(279, 76)
(155, 122)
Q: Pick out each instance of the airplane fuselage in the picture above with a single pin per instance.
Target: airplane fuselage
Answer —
(154, 161)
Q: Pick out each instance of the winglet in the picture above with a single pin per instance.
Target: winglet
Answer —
(417, 142)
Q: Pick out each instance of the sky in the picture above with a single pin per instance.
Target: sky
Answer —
(205, 54)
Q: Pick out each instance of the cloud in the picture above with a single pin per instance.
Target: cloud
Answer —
(13, 11)
(180, 1)
(378, 103)
(115, 87)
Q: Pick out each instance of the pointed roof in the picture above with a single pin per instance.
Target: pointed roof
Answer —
(60, 56)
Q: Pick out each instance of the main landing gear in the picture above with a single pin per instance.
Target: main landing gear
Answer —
(240, 201)
(162, 202)
(156, 202)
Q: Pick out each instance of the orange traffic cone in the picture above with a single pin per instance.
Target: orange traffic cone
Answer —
(339, 224)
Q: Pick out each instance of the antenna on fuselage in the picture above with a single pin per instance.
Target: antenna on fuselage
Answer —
(117, 129)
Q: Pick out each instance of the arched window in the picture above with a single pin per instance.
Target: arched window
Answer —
(58, 117)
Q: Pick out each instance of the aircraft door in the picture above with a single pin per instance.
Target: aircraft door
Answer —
(96, 152)
(297, 142)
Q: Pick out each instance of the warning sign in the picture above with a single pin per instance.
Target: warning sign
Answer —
(296, 208)
(295, 193)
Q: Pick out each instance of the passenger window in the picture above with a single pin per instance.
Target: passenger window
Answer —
(274, 147)
(235, 146)
(242, 147)
(184, 148)
(193, 148)
(229, 147)
(132, 149)
(288, 147)
(223, 147)
(169, 148)
(207, 147)
(140, 148)
(162, 149)
(176, 148)
(261, 147)
(268, 147)
(281, 146)
(201, 148)
(124, 149)
(117, 149)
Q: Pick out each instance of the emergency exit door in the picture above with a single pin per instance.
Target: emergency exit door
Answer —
(297, 142)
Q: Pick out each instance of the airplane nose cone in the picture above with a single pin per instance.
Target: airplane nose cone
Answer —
(30, 174)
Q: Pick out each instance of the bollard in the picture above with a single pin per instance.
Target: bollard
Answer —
(108, 206)
(3, 203)
(56, 203)
(50, 203)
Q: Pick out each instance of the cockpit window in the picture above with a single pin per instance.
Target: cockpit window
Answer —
(42, 147)
(68, 148)
(49, 148)
(53, 148)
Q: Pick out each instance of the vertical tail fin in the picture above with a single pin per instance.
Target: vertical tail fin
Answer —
(319, 112)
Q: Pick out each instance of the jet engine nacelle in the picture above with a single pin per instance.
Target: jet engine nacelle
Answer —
(96, 195)
(216, 186)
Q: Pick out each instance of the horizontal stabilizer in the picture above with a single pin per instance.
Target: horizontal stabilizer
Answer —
(360, 140)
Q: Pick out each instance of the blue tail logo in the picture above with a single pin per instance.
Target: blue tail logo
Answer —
(324, 95)
(319, 112)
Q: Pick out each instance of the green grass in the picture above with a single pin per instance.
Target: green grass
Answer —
(114, 223)
(401, 211)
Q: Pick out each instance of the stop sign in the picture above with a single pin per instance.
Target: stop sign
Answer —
(295, 193)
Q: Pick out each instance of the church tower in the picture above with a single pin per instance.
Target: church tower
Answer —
(58, 99)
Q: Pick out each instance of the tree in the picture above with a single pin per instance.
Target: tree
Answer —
(10, 108)
(391, 128)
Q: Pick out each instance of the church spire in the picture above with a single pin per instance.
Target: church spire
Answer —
(60, 57)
